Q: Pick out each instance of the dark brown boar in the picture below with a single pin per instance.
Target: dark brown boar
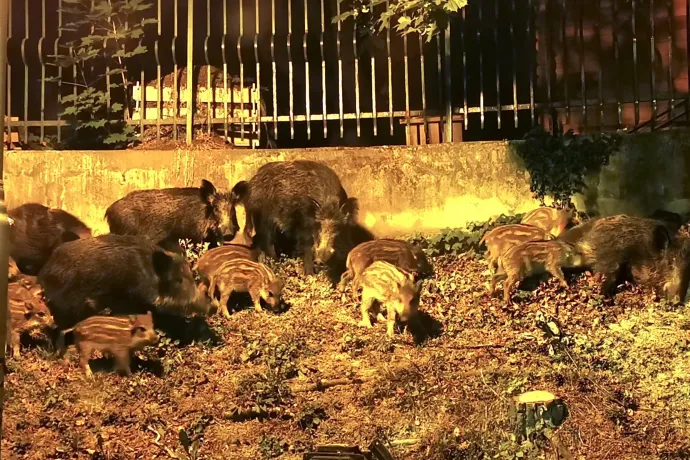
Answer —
(551, 220)
(500, 239)
(38, 231)
(533, 258)
(614, 245)
(243, 275)
(212, 259)
(672, 220)
(27, 313)
(392, 288)
(118, 336)
(303, 200)
(667, 274)
(168, 215)
(402, 254)
(121, 275)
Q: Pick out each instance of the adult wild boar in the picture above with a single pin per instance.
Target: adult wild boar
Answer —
(305, 201)
(118, 275)
(617, 245)
(38, 230)
(167, 215)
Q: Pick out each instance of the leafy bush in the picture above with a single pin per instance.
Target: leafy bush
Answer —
(459, 241)
(558, 164)
(113, 29)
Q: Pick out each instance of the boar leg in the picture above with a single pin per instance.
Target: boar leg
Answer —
(308, 260)
(266, 237)
(123, 361)
(367, 303)
(496, 277)
(84, 356)
(347, 276)
(556, 271)
(224, 299)
(507, 287)
(391, 321)
(255, 294)
(14, 343)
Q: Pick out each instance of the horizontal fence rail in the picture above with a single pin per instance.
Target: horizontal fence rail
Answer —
(279, 73)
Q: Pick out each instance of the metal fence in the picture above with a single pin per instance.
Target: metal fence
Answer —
(272, 72)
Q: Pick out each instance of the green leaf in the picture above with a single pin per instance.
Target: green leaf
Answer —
(95, 124)
(68, 111)
(116, 107)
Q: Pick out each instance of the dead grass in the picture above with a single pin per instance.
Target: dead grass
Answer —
(621, 368)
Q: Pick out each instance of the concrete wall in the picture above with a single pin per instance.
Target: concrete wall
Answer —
(401, 189)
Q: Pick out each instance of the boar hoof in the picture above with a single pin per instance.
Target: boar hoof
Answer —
(87, 372)
(257, 306)
(364, 323)
(15, 351)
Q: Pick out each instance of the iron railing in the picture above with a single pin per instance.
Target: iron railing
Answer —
(285, 73)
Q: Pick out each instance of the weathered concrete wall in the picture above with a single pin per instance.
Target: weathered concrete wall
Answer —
(401, 190)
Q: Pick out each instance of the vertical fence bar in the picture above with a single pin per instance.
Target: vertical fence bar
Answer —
(323, 70)
(652, 57)
(8, 96)
(143, 102)
(600, 77)
(390, 74)
(564, 77)
(498, 67)
(26, 71)
(407, 88)
(532, 56)
(340, 73)
(239, 56)
(290, 71)
(671, 38)
(687, 52)
(374, 117)
(513, 12)
(190, 70)
(306, 70)
(481, 65)
(548, 33)
(43, 69)
(210, 91)
(636, 94)
(159, 82)
(463, 37)
(258, 71)
(225, 69)
(583, 87)
(356, 58)
(422, 68)
(176, 92)
(448, 87)
(4, 223)
(274, 69)
(616, 58)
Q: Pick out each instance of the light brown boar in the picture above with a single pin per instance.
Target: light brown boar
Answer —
(533, 258)
(402, 254)
(551, 220)
(212, 259)
(118, 336)
(500, 239)
(385, 284)
(27, 312)
(243, 275)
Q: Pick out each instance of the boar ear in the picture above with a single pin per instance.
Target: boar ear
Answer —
(239, 191)
(162, 262)
(208, 190)
(350, 209)
(68, 236)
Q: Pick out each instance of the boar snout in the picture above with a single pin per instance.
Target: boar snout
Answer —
(323, 255)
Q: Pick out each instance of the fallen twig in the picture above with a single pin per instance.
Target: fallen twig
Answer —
(321, 385)
(156, 441)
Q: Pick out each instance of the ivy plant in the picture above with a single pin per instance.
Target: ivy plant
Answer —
(559, 163)
(109, 33)
(425, 17)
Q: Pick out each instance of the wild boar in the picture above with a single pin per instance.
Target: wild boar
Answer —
(303, 200)
(13, 270)
(118, 274)
(393, 289)
(615, 245)
(402, 254)
(552, 220)
(38, 230)
(533, 258)
(212, 259)
(27, 313)
(244, 275)
(118, 336)
(500, 239)
(168, 215)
